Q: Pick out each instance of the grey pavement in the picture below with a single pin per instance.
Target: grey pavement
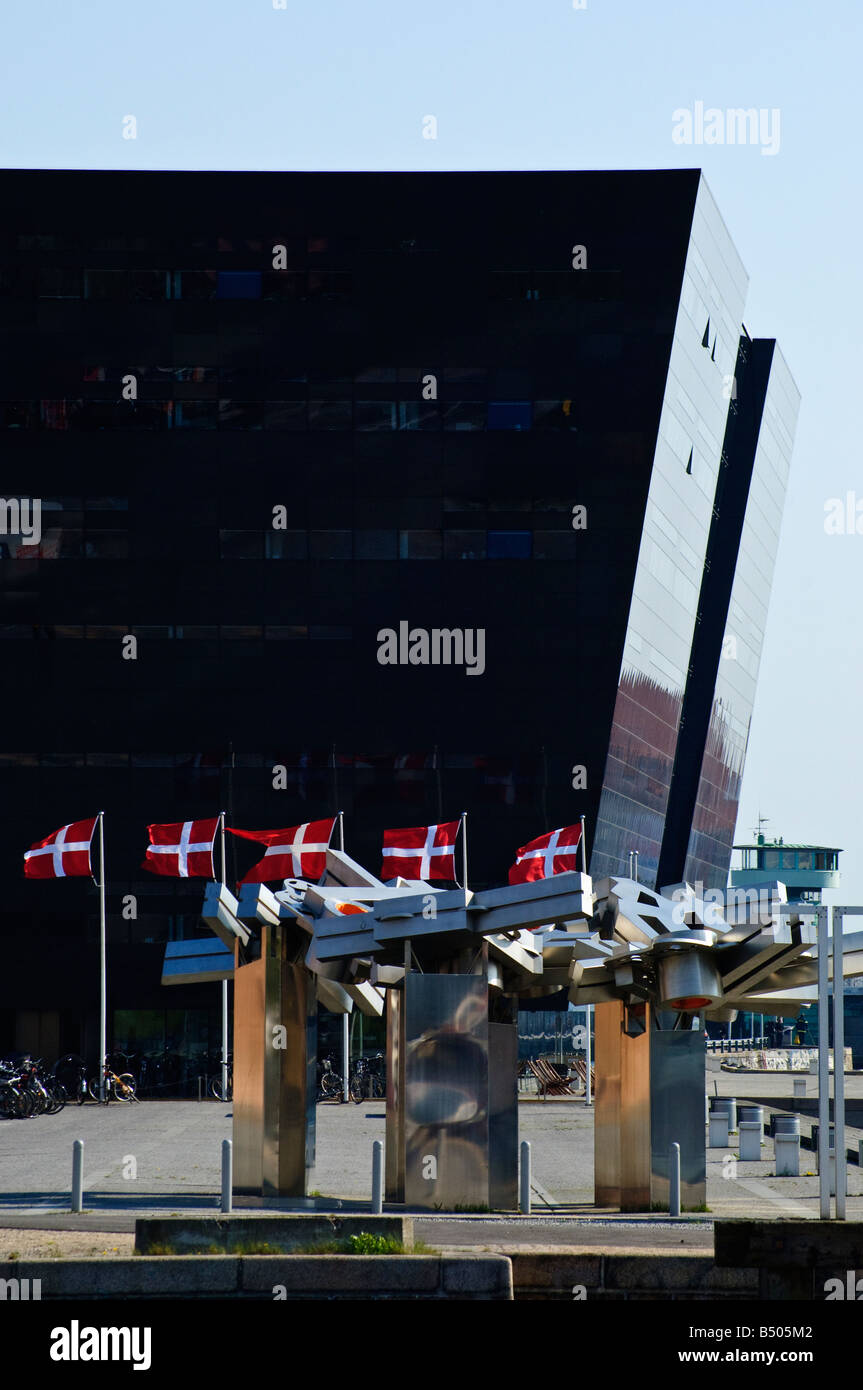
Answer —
(165, 1156)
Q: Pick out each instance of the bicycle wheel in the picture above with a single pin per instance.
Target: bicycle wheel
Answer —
(93, 1088)
(331, 1086)
(355, 1090)
(379, 1090)
(124, 1087)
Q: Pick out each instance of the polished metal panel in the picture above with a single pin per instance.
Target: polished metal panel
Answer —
(677, 1110)
(689, 979)
(622, 1117)
(395, 1135)
(249, 1059)
(503, 1116)
(196, 962)
(446, 1090)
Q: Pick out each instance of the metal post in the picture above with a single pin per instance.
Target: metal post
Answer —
(377, 1177)
(200, 1079)
(588, 1098)
(464, 848)
(583, 842)
(78, 1175)
(636, 866)
(823, 1067)
(524, 1179)
(674, 1180)
(224, 1040)
(839, 1064)
(227, 1175)
(341, 816)
(103, 1008)
(346, 1059)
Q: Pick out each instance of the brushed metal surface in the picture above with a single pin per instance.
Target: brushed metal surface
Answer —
(677, 1084)
(503, 1116)
(622, 1115)
(394, 1177)
(248, 1102)
(446, 1090)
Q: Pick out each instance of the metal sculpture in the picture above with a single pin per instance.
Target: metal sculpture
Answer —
(448, 966)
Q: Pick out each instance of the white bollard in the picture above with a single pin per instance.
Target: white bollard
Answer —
(377, 1177)
(786, 1149)
(674, 1180)
(227, 1176)
(718, 1133)
(750, 1141)
(78, 1175)
(524, 1179)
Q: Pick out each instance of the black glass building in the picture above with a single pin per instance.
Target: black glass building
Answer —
(512, 419)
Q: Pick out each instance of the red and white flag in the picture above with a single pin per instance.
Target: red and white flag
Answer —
(65, 854)
(182, 850)
(300, 851)
(554, 853)
(423, 851)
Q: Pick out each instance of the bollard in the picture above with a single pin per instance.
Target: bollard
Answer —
(674, 1180)
(78, 1175)
(718, 1133)
(786, 1149)
(800, 1086)
(750, 1141)
(728, 1106)
(524, 1178)
(377, 1177)
(227, 1176)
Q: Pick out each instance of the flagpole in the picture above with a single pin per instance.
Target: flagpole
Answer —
(583, 849)
(225, 981)
(341, 816)
(103, 1014)
(464, 848)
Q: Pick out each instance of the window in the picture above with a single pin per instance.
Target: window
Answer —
(420, 545)
(509, 545)
(285, 545)
(329, 415)
(240, 545)
(375, 415)
(465, 415)
(376, 545)
(509, 415)
(329, 545)
(464, 545)
(419, 415)
(58, 282)
(238, 284)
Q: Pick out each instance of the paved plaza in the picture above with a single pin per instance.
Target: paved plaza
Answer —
(165, 1156)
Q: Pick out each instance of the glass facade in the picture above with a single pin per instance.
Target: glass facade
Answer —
(269, 417)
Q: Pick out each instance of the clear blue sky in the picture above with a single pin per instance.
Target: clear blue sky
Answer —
(537, 84)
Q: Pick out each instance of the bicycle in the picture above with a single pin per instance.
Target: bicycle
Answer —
(216, 1084)
(116, 1087)
(366, 1082)
(330, 1084)
(71, 1074)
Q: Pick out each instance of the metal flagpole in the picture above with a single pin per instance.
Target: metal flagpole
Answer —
(225, 981)
(587, 1086)
(103, 1013)
(464, 848)
(583, 848)
(341, 816)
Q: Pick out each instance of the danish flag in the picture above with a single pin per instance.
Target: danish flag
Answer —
(298, 852)
(65, 854)
(423, 851)
(182, 850)
(554, 853)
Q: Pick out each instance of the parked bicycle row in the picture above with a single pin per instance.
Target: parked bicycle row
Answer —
(367, 1080)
